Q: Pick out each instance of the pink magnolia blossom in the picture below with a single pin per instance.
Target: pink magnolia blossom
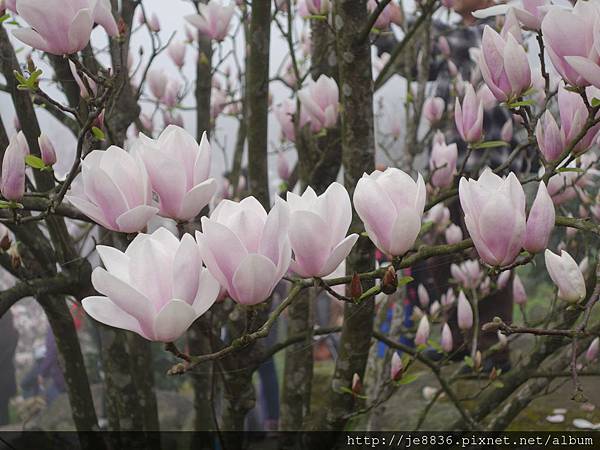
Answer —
(157, 288)
(176, 51)
(321, 101)
(318, 227)
(551, 141)
(391, 205)
(179, 171)
(284, 113)
(504, 65)
(63, 27)
(157, 82)
(592, 352)
(433, 109)
(213, 20)
(569, 37)
(423, 296)
(573, 117)
(423, 331)
(245, 249)
(519, 294)
(566, 275)
(396, 368)
(465, 312)
(283, 167)
(446, 341)
(469, 116)
(12, 184)
(153, 23)
(468, 273)
(453, 234)
(113, 189)
(88, 88)
(540, 222)
(442, 162)
(317, 7)
(47, 150)
(390, 14)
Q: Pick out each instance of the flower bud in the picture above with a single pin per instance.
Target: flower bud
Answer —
(465, 313)
(356, 384)
(389, 284)
(396, 369)
(519, 294)
(12, 185)
(356, 289)
(453, 234)
(423, 296)
(592, 351)
(423, 331)
(446, 341)
(47, 150)
(566, 275)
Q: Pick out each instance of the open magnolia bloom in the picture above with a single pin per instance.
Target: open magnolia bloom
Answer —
(113, 189)
(318, 227)
(157, 288)
(179, 171)
(566, 275)
(245, 249)
(63, 27)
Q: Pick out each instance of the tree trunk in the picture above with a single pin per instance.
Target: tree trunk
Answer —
(356, 91)
(257, 97)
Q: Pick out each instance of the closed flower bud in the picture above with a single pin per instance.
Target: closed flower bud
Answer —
(47, 150)
(566, 275)
(422, 331)
(446, 341)
(453, 234)
(469, 116)
(519, 294)
(357, 387)
(433, 109)
(540, 222)
(356, 289)
(465, 313)
(423, 296)
(12, 185)
(477, 360)
(592, 351)
(396, 369)
(389, 284)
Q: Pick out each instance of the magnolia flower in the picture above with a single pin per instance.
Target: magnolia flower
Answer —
(213, 20)
(503, 279)
(321, 101)
(88, 88)
(468, 273)
(453, 234)
(423, 331)
(423, 296)
(283, 167)
(504, 65)
(390, 14)
(157, 288)
(433, 109)
(540, 222)
(179, 171)
(488, 202)
(442, 162)
(153, 23)
(113, 190)
(12, 184)
(448, 298)
(576, 55)
(469, 116)
(390, 204)
(396, 368)
(446, 341)
(318, 227)
(573, 117)
(176, 51)
(284, 113)
(566, 275)
(157, 82)
(465, 312)
(63, 27)
(317, 7)
(245, 249)
(47, 150)
(592, 351)
(551, 141)
(519, 294)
